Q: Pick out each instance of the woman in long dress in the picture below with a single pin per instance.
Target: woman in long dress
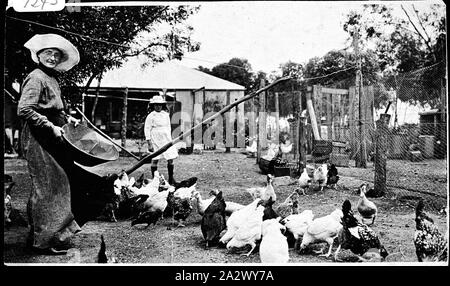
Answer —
(158, 132)
(41, 110)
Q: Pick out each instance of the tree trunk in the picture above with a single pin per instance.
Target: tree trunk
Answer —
(381, 155)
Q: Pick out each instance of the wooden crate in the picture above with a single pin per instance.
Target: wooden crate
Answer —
(340, 160)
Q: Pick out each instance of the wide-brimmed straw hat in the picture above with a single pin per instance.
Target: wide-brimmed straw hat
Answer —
(70, 56)
(157, 99)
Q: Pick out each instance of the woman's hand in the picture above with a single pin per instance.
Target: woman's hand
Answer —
(73, 120)
(58, 132)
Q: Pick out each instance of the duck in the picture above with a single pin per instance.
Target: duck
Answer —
(366, 208)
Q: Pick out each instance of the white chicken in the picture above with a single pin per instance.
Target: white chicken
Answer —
(264, 193)
(185, 193)
(158, 201)
(249, 231)
(121, 182)
(297, 224)
(151, 188)
(274, 247)
(321, 175)
(236, 219)
(323, 229)
(304, 181)
(202, 204)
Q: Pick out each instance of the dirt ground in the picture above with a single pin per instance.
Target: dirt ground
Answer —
(232, 173)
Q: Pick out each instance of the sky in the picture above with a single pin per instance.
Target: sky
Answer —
(267, 33)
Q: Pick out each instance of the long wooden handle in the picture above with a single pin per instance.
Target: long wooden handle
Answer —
(104, 135)
(148, 158)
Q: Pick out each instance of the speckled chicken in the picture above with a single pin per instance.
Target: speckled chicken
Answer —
(180, 208)
(429, 242)
(266, 192)
(356, 236)
(213, 220)
(289, 206)
(367, 209)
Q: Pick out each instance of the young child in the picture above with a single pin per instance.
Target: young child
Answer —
(158, 133)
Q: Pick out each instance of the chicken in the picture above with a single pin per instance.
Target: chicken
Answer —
(266, 192)
(356, 236)
(269, 213)
(150, 188)
(429, 242)
(132, 206)
(148, 217)
(185, 183)
(213, 220)
(286, 147)
(202, 204)
(321, 175)
(185, 192)
(274, 247)
(289, 206)
(366, 208)
(323, 229)
(158, 201)
(102, 254)
(332, 176)
(249, 231)
(178, 208)
(297, 224)
(230, 207)
(304, 182)
(236, 220)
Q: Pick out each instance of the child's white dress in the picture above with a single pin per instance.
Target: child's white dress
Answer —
(157, 129)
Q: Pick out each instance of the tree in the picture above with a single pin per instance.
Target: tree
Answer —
(406, 39)
(236, 70)
(120, 32)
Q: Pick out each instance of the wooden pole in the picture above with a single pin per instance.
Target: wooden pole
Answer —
(123, 132)
(312, 115)
(163, 149)
(381, 154)
(361, 160)
(262, 132)
(277, 118)
(302, 142)
(228, 127)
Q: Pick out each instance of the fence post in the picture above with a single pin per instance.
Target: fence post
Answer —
(124, 119)
(262, 135)
(302, 141)
(312, 115)
(381, 155)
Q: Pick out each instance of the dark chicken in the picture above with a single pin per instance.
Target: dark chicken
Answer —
(429, 242)
(148, 217)
(178, 208)
(356, 236)
(269, 213)
(332, 176)
(186, 183)
(213, 220)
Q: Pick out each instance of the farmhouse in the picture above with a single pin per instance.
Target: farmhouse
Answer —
(191, 94)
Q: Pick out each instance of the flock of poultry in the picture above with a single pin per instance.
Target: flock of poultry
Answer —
(235, 226)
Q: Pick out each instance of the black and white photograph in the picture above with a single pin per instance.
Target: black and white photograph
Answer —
(228, 133)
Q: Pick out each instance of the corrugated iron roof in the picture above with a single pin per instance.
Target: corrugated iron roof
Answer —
(169, 75)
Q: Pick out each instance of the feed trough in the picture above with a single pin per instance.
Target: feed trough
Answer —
(88, 147)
